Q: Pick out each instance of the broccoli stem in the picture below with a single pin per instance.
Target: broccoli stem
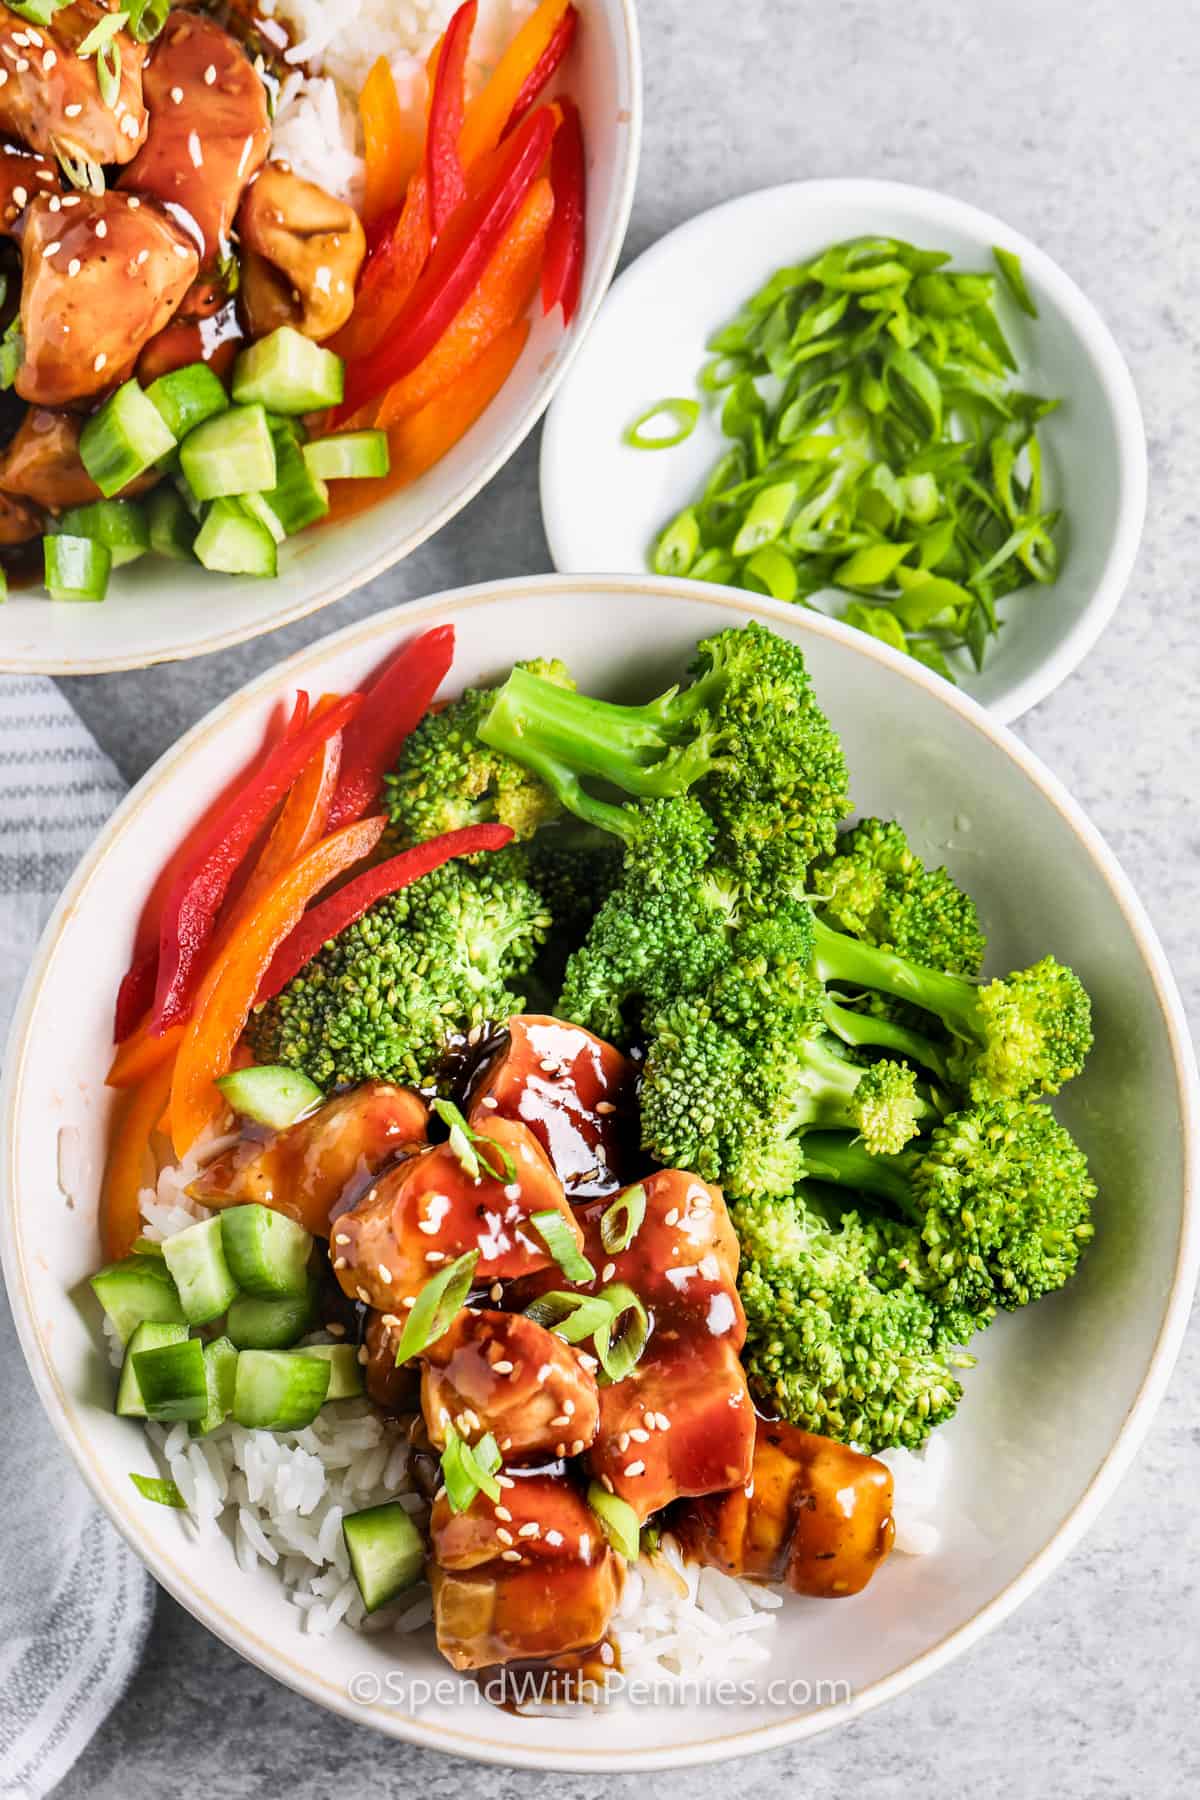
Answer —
(831, 1156)
(952, 998)
(865, 1031)
(564, 736)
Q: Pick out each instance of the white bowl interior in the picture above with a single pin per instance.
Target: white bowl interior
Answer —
(157, 610)
(604, 503)
(1062, 1392)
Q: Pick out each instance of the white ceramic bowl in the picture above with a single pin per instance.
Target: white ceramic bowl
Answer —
(603, 503)
(1063, 1392)
(157, 611)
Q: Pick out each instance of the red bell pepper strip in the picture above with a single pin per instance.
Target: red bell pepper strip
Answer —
(352, 901)
(135, 992)
(447, 109)
(396, 701)
(194, 899)
(562, 271)
(547, 63)
(457, 264)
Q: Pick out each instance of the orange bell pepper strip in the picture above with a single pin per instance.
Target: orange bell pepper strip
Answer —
(141, 1053)
(301, 821)
(491, 110)
(416, 444)
(392, 140)
(229, 987)
(127, 1171)
(502, 297)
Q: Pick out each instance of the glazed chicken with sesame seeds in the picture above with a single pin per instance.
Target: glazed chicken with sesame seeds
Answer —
(23, 175)
(505, 1374)
(814, 1513)
(530, 1576)
(51, 97)
(78, 257)
(431, 1210)
(319, 1167)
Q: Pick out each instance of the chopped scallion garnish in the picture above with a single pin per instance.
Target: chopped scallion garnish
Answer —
(1009, 265)
(467, 1470)
(682, 413)
(622, 1221)
(158, 1489)
(618, 1520)
(555, 1232)
(437, 1306)
(467, 1143)
(108, 73)
(102, 32)
(572, 1317)
(617, 1359)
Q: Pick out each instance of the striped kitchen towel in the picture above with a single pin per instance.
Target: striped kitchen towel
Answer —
(75, 1604)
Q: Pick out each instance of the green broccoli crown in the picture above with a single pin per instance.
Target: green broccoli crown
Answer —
(826, 1346)
(875, 887)
(446, 778)
(746, 735)
(387, 997)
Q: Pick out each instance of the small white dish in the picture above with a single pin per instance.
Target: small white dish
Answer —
(603, 503)
(1064, 1391)
(158, 611)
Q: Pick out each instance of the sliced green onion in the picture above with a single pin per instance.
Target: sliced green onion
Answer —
(437, 1306)
(12, 351)
(108, 73)
(871, 567)
(621, 1222)
(1009, 265)
(463, 1141)
(617, 1519)
(684, 413)
(36, 12)
(102, 32)
(772, 571)
(147, 18)
(467, 1472)
(156, 1487)
(617, 1359)
(677, 547)
(572, 1317)
(559, 1240)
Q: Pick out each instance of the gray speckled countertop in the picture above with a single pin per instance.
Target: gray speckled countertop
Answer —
(1076, 124)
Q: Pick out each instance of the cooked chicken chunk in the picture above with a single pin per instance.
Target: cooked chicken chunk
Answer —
(575, 1093)
(319, 1166)
(51, 99)
(22, 175)
(814, 1513)
(431, 1210)
(18, 522)
(501, 1372)
(503, 1592)
(102, 275)
(209, 129)
(394, 1389)
(41, 461)
(301, 253)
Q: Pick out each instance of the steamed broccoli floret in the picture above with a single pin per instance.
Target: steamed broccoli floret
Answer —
(385, 999)
(875, 887)
(447, 778)
(999, 1199)
(826, 1346)
(746, 737)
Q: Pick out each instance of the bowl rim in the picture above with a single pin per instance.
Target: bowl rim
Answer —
(629, 52)
(240, 1636)
(1081, 314)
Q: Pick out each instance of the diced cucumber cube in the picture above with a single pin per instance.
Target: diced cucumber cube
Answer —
(386, 1552)
(125, 438)
(148, 1336)
(136, 1290)
(233, 543)
(220, 1372)
(186, 397)
(298, 497)
(76, 568)
(348, 456)
(270, 1094)
(196, 1258)
(173, 1381)
(172, 528)
(266, 1252)
(345, 1370)
(278, 1391)
(255, 1324)
(289, 373)
(229, 455)
(120, 524)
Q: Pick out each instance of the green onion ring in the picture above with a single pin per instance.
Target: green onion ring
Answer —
(437, 1306)
(617, 1519)
(572, 1317)
(559, 1240)
(463, 1141)
(622, 1221)
(684, 412)
(618, 1359)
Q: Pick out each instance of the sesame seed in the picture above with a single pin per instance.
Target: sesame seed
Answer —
(506, 1537)
(133, 203)
(562, 1419)
(19, 196)
(341, 1237)
(648, 1420)
(604, 1107)
(194, 151)
(530, 1530)
(409, 1301)
(623, 1441)
(385, 1274)
(99, 363)
(435, 1256)
(339, 1262)
(210, 74)
(506, 1443)
(322, 279)
(606, 1482)
(634, 1468)
(130, 127)
(569, 1407)
(662, 1421)
(71, 200)
(548, 1065)
(496, 1291)
(640, 1436)
(74, 266)
(560, 1449)
(22, 38)
(389, 1319)
(335, 1328)
(55, 203)
(53, 249)
(608, 1655)
(35, 37)
(363, 1355)
(505, 1481)
(502, 1512)
(608, 1271)
(21, 64)
(503, 1367)
(577, 1447)
(490, 1101)
(363, 1295)
(73, 111)
(144, 256)
(48, 62)
(101, 228)
(3, 76)
(428, 1226)
(177, 95)
(510, 1556)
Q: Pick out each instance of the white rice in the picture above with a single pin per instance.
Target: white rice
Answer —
(280, 1498)
(316, 123)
